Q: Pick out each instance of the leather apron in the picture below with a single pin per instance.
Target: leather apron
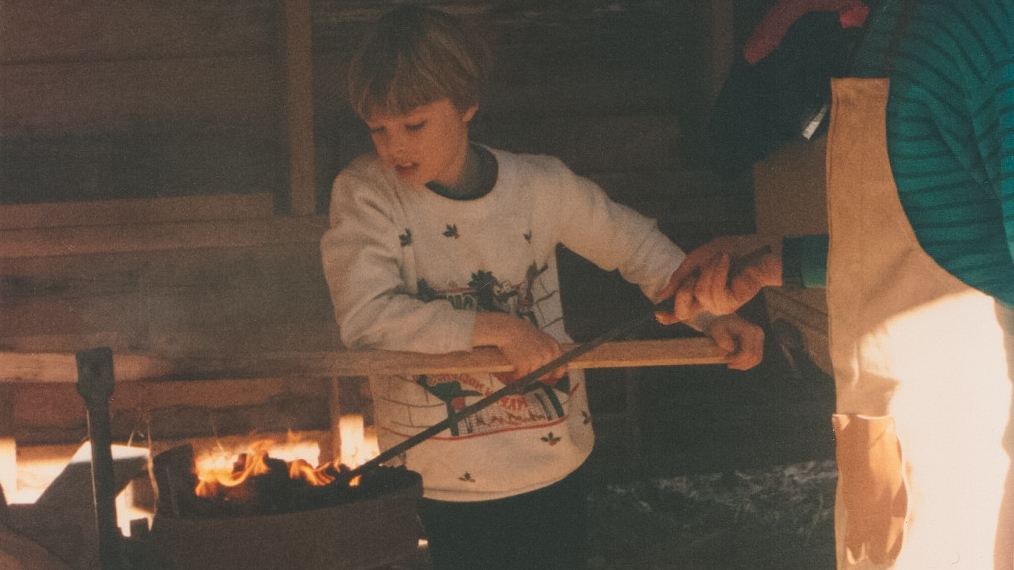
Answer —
(923, 395)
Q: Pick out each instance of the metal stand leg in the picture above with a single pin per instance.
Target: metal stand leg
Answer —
(95, 384)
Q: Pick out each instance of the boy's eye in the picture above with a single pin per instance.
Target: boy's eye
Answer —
(376, 130)
(416, 126)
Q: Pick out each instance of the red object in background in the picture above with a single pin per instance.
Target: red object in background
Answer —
(778, 20)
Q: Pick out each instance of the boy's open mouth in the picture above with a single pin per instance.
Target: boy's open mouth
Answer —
(407, 169)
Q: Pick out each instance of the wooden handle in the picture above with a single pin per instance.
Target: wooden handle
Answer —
(59, 367)
(619, 354)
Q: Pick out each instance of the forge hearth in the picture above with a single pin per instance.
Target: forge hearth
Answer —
(333, 527)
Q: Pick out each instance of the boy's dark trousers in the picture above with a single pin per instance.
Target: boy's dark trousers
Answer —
(542, 529)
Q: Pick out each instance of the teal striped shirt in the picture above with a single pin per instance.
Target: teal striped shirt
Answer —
(950, 131)
(950, 136)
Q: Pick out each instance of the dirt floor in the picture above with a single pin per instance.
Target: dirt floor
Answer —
(775, 518)
(778, 518)
(736, 471)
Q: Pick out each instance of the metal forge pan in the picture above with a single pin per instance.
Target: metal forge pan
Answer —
(365, 533)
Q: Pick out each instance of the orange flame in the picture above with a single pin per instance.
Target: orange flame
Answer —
(316, 477)
(217, 473)
(358, 443)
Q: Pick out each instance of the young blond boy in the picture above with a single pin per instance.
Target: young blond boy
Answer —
(438, 244)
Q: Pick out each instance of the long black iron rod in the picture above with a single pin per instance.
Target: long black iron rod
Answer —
(519, 386)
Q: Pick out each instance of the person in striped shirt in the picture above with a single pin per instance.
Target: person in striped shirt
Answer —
(950, 132)
(949, 136)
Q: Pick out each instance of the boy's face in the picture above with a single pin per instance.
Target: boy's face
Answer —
(429, 144)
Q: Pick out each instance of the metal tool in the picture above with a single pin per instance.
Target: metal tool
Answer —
(519, 386)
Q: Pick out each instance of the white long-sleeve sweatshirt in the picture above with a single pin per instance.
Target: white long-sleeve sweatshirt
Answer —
(408, 267)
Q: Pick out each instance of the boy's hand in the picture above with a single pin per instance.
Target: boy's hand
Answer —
(523, 345)
(702, 282)
(744, 341)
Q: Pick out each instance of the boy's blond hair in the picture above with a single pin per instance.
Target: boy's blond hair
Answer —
(417, 56)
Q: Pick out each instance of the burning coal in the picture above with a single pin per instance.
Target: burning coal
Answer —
(264, 512)
(269, 476)
(259, 484)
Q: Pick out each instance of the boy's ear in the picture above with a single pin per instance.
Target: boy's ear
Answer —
(469, 113)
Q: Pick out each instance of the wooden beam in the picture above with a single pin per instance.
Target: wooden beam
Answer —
(153, 210)
(299, 98)
(52, 367)
(334, 405)
(8, 446)
(126, 238)
(60, 98)
(114, 30)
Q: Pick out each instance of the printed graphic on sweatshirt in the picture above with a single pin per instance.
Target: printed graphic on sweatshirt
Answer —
(529, 300)
(542, 405)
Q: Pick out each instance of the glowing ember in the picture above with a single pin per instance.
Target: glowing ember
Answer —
(222, 459)
(228, 474)
(225, 473)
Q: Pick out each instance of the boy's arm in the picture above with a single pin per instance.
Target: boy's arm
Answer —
(613, 236)
(374, 306)
(523, 345)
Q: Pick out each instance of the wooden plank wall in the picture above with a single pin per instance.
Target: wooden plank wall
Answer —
(105, 100)
(233, 279)
(618, 90)
(154, 160)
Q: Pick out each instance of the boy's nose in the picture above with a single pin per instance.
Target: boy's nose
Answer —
(398, 147)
